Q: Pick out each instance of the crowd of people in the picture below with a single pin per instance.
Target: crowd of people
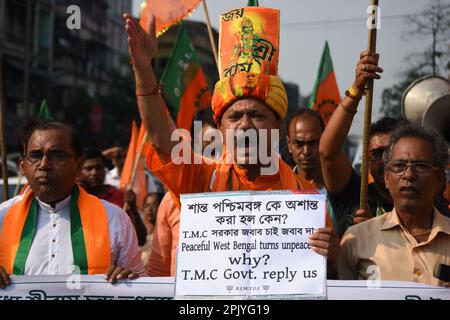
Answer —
(71, 213)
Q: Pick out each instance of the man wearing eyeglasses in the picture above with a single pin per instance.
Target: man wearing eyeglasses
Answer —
(410, 242)
(54, 227)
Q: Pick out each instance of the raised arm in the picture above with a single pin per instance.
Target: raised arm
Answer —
(143, 47)
(336, 167)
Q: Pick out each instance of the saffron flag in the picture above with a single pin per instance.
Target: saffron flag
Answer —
(325, 96)
(145, 144)
(139, 184)
(44, 112)
(167, 12)
(184, 83)
(125, 176)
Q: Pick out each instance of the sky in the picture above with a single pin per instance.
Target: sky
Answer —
(307, 24)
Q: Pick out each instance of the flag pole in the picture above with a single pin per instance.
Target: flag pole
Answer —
(2, 137)
(372, 42)
(135, 165)
(211, 36)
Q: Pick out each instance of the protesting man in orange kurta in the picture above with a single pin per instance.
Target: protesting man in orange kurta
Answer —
(236, 111)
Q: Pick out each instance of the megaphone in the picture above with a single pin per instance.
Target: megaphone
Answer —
(426, 103)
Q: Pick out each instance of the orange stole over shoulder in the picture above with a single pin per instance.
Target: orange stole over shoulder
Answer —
(94, 225)
(289, 181)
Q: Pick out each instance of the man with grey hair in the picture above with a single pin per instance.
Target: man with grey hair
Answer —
(411, 242)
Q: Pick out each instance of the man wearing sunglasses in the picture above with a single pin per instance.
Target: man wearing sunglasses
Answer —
(54, 227)
(410, 242)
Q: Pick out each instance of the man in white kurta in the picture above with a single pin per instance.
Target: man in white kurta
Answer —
(51, 251)
(55, 225)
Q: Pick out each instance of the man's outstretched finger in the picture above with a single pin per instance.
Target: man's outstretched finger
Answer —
(152, 25)
(130, 29)
(131, 21)
(129, 18)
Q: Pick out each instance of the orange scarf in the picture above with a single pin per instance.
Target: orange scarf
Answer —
(289, 180)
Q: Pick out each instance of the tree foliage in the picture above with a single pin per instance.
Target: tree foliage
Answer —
(432, 25)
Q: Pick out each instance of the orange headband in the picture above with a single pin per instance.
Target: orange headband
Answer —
(266, 88)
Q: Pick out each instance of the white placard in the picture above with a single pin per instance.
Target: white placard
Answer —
(250, 244)
(77, 287)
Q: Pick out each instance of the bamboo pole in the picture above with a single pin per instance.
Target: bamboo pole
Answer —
(372, 42)
(211, 36)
